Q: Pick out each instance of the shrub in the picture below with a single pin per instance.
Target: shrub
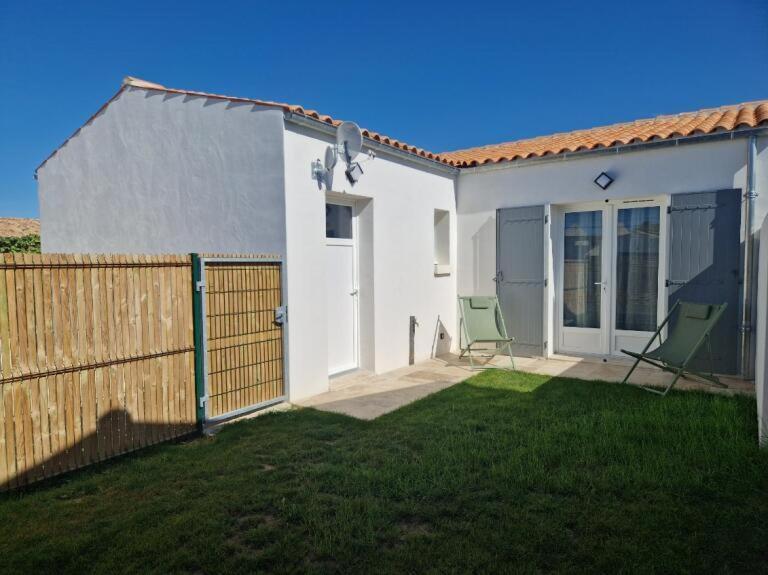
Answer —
(23, 244)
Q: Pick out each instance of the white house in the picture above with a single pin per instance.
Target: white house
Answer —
(587, 237)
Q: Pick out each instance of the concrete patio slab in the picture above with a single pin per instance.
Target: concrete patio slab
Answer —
(367, 396)
(615, 368)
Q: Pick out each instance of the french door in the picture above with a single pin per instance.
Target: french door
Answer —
(611, 269)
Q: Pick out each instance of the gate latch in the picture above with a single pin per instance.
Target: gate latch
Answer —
(281, 314)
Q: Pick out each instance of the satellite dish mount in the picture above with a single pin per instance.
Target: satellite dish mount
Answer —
(349, 144)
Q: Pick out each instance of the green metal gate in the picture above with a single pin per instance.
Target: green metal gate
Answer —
(239, 327)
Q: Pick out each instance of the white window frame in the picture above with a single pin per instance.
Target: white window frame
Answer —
(441, 268)
(608, 346)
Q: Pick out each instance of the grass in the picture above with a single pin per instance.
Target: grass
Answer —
(505, 472)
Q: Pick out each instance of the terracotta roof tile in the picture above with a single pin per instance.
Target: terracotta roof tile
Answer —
(725, 118)
(293, 108)
(19, 227)
(296, 109)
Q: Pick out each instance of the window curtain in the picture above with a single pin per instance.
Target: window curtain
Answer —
(582, 269)
(637, 268)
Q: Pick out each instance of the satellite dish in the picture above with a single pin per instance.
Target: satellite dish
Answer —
(349, 140)
(330, 158)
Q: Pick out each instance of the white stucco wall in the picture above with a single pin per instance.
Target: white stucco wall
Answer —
(761, 367)
(163, 173)
(167, 173)
(396, 254)
(651, 172)
(669, 170)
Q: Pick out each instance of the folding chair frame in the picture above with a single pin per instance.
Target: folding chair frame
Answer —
(679, 371)
(470, 353)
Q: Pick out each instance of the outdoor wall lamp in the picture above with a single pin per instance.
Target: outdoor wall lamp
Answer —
(354, 172)
(603, 180)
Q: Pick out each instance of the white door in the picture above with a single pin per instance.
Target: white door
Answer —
(584, 280)
(610, 287)
(341, 288)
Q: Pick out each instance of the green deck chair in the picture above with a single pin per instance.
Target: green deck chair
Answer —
(695, 322)
(481, 322)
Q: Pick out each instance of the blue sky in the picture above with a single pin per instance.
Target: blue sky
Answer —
(435, 75)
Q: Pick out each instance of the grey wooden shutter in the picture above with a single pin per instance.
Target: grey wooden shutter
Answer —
(705, 264)
(520, 278)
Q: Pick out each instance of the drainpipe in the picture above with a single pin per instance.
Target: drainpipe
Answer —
(749, 219)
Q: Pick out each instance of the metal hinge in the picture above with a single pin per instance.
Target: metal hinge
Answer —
(671, 209)
(203, 400)
(546, 218)
(546, 282)
(200, 285)
(745, 328)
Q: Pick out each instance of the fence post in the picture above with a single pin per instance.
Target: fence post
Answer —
(197, 312)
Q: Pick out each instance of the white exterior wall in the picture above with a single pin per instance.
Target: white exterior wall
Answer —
(650, 172)
(691, 168)
(167, 173)
(396, 246)
(163, 173)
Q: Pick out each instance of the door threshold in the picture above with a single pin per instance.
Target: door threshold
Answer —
(343, 372)
(592, 358)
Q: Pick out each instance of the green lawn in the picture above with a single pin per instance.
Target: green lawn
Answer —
(505, 472)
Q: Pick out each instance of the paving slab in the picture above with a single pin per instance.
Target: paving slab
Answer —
(367, 396)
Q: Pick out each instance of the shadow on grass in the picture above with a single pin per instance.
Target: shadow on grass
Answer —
(513, 469)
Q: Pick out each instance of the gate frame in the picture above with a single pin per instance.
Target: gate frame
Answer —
(201, 340)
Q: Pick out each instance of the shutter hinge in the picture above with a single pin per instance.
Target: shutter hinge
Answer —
(203, 400)
(200, 285)
(745, 328)
(671, 209)
(546, 218)
(546, 282)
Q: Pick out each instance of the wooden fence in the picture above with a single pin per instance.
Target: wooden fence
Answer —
(96, 359)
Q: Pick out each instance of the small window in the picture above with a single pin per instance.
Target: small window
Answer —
(338, 221)
(442, 242)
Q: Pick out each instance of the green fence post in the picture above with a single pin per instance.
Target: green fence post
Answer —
(197, 299)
